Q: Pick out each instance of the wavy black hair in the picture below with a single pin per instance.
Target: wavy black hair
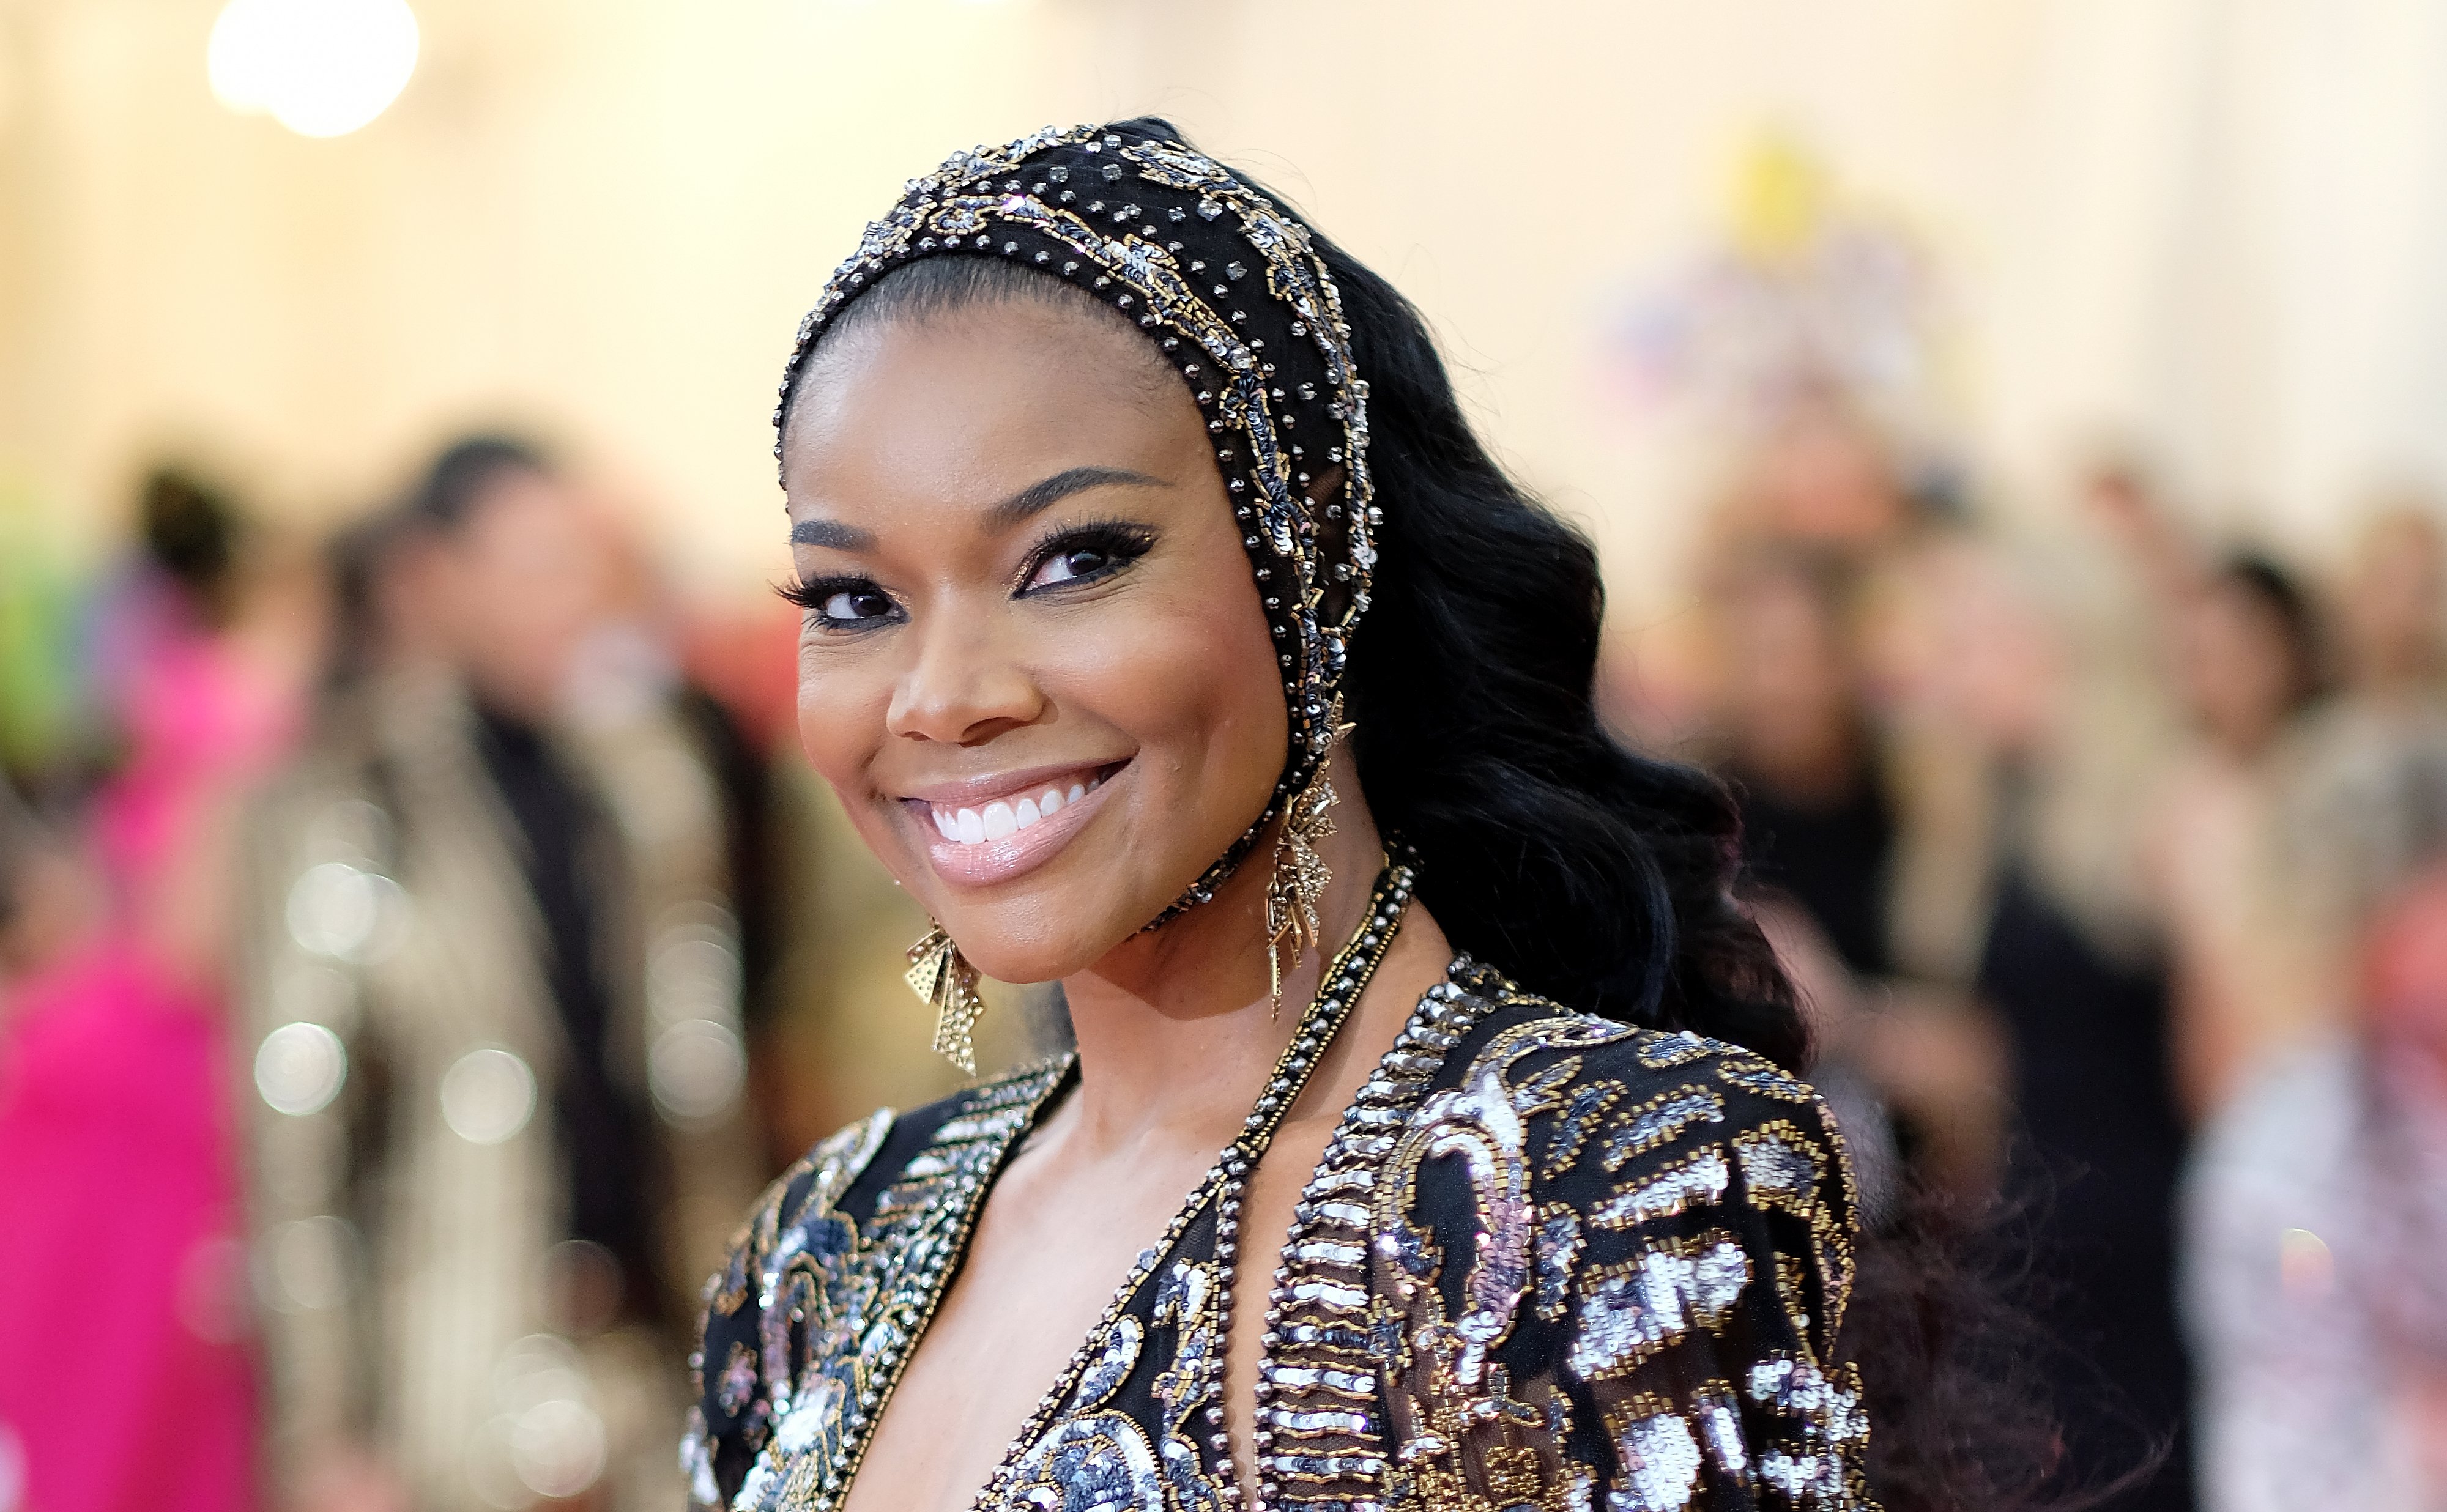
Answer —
(1605, 879)
(1593, 875)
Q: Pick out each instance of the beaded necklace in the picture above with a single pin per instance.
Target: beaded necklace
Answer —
(1345, 978)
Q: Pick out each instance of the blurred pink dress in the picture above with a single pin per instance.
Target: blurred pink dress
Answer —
(125, 1373)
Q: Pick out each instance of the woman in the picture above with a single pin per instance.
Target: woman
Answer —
(2315, 1210)
(1169, 634)
(113, 1043)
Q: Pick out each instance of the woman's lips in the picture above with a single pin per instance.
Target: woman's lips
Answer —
(979, 842)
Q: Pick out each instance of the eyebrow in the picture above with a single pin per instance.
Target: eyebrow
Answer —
(1044, 495)
(1035, 499)
(830, 533)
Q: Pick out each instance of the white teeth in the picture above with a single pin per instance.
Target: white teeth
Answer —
(968, 827)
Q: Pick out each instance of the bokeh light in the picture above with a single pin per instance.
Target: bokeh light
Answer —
(320, 68)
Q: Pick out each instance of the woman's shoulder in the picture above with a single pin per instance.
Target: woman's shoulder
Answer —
(1629, 1248)
(827, 1241)
(1616, 1098)
(1648, 1136)
(851, 1173)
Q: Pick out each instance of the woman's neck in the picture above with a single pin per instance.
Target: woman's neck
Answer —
(1177, 1026)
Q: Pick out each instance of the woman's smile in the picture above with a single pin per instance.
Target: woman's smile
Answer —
(991, 829)
(1025, 586)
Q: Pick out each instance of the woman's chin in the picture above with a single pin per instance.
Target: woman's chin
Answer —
(1022, 961)
(1025, 944)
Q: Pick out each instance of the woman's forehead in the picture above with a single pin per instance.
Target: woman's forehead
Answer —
(1056, 327)
(988, 389)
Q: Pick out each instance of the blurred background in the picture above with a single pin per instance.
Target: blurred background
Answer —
(2015, 437)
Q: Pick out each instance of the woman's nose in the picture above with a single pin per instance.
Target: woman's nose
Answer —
(963, 688)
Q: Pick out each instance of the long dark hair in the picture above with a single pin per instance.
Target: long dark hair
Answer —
(1593, 875)
(1605, 879)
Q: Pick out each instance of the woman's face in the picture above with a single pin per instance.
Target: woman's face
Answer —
(2238, 667)
(1035, 665)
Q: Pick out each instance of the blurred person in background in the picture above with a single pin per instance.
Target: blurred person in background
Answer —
(2370, 769)
(2035, 658)
(117, 1162)
(1819, 476)
(2392, 608)
(2317, 1219)
(2247, 665)
(1822, 832)
(2315, 1204)
(498, 957)
(1846, 830)
(1864, 819)
(48, 898)
(1818, 823)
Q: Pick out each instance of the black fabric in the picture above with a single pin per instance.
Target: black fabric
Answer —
(602, 1130)
(2095, 1157)
(1831, 859)
(754, 847)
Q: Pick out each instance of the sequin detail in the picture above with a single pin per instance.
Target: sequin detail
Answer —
(1477, 1311)
(1660, 1464)
(1627, 1314)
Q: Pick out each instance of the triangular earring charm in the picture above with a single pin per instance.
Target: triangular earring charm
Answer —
(941, 976)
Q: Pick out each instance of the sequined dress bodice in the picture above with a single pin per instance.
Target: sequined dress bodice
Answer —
(1548, 1262)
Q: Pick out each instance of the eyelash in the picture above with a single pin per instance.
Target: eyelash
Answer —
(1121, 542)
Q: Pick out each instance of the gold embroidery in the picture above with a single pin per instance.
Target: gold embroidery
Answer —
(879, 1292)
(1559, 1251)
(1575, 1121)
(1663, 1053)
(1657, 1452)
(1694, 1180)
(1753, 1074)
(1397, 1373)
(1658, 1120)
(1782, 1167)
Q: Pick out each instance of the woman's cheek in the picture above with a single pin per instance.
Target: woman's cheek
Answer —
(842, 711)
(1148, 668)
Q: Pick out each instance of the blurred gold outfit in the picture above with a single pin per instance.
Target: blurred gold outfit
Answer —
(412, 1194)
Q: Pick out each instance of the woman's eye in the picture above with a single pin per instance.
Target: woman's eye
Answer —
(1086, 555)
(1069, 566)
(854, 606)
(843, 604)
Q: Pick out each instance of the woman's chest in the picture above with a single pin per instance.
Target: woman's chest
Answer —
(1042, 1274)
(964, 1353)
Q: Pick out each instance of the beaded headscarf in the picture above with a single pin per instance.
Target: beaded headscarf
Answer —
(1231, 287)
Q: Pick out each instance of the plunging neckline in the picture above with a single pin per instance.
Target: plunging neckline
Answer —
(852, 1296)
(1346, 979)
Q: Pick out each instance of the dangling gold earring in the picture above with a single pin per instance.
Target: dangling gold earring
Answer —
(941, 976)
(1298, 885)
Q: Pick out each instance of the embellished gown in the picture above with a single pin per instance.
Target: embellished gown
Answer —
(1548, 1262)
